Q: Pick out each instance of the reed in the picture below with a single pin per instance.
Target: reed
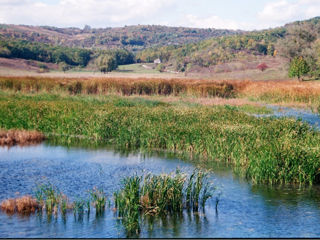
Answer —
(48, 197)
(159, 195)
(98, 199)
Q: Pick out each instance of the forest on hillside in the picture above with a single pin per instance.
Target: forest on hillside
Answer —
(299, 42)
(133, 38)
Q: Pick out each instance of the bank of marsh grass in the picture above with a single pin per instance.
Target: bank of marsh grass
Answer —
(264, 150)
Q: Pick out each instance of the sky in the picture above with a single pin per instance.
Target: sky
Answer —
(221, 14)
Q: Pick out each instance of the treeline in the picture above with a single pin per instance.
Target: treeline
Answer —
(59, 54)
(44, 52)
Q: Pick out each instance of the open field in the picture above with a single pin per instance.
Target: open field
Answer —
(229, 71)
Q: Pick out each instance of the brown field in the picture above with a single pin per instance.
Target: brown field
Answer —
(20, 137)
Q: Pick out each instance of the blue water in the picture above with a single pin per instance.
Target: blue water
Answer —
(305, 115)
(244, 210)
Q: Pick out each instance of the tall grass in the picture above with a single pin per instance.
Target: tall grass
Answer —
(261, 149)
(270, 91)
(123, 86)
(159, 195)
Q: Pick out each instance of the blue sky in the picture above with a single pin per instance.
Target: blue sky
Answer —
(231, 14)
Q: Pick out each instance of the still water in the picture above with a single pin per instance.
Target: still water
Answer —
(243, 211)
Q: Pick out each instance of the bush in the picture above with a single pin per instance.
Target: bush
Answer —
(262, 66)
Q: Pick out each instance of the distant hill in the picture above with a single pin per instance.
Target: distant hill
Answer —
(179, 49)
(297, 39)
(130, 37)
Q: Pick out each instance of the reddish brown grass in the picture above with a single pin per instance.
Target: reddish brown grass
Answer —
(21, 137)
(9, 205)
(26, 205)
(23, 205)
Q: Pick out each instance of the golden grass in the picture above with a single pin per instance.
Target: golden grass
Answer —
(22, 205)
(21, 137)
(286, 91)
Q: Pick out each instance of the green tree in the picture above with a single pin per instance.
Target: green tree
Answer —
(4, 52)
(298, 68)
(106, 63)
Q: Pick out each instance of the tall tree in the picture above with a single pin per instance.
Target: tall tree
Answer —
(298, 68)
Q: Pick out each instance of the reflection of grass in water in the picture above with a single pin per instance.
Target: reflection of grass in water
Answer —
(160, 195)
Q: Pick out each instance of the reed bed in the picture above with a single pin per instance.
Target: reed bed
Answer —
(122, 86)
(261, 149)
(286, 91)
(21, 137)
(160, 194)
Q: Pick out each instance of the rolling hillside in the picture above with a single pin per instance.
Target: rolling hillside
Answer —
(129, 37)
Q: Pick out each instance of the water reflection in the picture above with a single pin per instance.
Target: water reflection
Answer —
(243, 211)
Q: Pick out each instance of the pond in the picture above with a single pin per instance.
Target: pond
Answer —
(243, 211)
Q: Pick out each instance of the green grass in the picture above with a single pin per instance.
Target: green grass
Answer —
(136, 68)
(250, 109)
(263, 150)
(160, 195)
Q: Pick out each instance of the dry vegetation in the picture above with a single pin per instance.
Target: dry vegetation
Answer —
(21, 137)
(22, 205)
(286, 92)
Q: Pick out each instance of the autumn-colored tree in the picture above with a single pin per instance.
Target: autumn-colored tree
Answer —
(298, 68)
(262, 66)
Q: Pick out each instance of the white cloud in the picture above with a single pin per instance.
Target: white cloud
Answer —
(214, 22)
(280, 12)
(103, 13)
(80, 12)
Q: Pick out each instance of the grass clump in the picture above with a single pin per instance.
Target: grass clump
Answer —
(22, 205)
(98, 199)
(159, 195)
(49, 198)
